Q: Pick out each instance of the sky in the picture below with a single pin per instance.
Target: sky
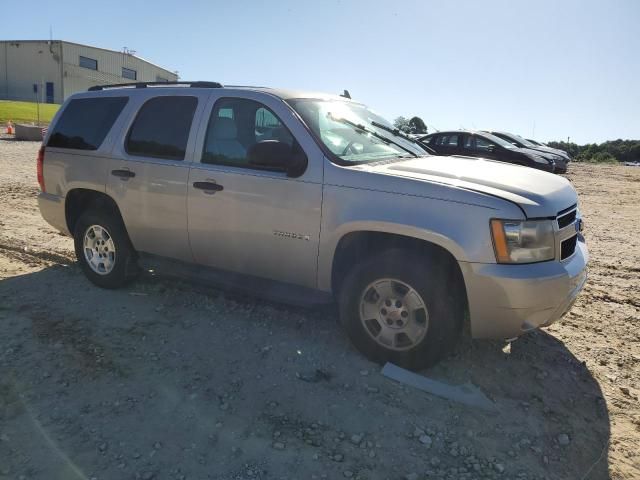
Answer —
(545, 69)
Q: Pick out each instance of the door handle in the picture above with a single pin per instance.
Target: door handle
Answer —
(124, 174)
(208, 187)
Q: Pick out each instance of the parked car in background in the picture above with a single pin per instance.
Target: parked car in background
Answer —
(485, 145)
(308, 197)
(559, 156)
(555, 150)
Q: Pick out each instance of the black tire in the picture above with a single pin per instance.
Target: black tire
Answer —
(125, 266)
(434, 278)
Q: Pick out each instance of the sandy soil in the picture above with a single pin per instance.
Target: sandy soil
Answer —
(163, 380)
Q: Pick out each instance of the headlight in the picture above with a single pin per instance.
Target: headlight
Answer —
(516, 241)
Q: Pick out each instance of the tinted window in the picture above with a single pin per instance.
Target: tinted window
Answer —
(447, 140)
(128, 73)
(161, 128)
(89, 63)
(236, 125)
(478, 143)
(483, 145)
(85, 122)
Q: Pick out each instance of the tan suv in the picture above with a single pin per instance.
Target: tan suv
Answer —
(311, 197)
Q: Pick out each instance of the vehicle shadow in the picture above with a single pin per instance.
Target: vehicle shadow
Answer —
(537, 383)
(133, 362)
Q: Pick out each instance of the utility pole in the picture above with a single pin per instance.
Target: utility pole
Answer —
(35, 91)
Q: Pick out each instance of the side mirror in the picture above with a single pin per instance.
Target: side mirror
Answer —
(278, 156)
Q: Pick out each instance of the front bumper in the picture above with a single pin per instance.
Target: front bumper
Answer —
(508, 300)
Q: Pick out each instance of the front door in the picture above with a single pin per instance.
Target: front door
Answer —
(49, 92)
(246, 219)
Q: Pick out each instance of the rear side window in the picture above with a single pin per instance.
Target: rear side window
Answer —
(161, 128)
(85, 122)
(447, 140)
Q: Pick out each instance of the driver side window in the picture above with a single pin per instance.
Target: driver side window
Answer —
(483, 145)
(235, 126)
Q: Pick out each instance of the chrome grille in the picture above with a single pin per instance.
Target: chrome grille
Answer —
(567, 217)
(568, 231)
(568, 247)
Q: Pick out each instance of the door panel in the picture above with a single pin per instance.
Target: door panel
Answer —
(49, 92)
(261, 224)
(256, 222)
(156, 148)
(153, 205)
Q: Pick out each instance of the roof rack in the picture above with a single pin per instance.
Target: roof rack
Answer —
(198, 84)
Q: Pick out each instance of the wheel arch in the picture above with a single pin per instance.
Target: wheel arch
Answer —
(79, 200)
(357, 245)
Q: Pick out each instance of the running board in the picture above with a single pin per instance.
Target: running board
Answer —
(236, 283)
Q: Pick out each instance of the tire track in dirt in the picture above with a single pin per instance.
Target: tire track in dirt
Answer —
(25, 254)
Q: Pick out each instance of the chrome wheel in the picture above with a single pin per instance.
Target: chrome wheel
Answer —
(99, 250)
(393, 314)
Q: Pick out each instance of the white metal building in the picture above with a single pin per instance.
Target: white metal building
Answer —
(60, 68)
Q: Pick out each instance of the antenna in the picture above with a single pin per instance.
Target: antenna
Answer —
(346, 94)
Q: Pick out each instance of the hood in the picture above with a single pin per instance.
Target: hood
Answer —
(538, 193)
(562, 154)
(540, 153)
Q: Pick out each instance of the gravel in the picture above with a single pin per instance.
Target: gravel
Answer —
(210, 384)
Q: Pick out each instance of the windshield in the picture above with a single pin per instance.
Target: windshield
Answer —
(519, 139)
(500, 141)
(349, 131)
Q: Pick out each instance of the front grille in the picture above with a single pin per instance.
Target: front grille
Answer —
(567, 218)
(568, 246)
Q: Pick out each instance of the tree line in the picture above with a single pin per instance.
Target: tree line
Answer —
(610, 151)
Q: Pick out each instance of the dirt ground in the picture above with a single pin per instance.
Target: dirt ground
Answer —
(166, 380)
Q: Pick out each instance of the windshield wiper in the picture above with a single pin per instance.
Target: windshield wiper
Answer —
(399, 133)
(362, 128)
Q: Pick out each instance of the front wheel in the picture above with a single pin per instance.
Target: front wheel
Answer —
(401, 307)
(103, 249)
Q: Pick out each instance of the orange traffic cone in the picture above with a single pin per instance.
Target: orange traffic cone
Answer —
(9, 128)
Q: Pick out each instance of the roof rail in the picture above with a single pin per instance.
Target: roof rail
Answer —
(197, 84)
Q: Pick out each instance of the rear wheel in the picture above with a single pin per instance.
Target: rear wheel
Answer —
(103, 249)
(402, 307)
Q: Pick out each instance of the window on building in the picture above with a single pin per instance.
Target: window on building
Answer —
(85, 122)
(129, 73)
(89, 63)
(161, 128)
(161, 79)
(236, 125)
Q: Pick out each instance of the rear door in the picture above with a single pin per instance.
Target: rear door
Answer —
(448, 144)
(255, 221)
(150, 168)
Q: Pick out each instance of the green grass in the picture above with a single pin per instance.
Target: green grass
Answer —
(25, 112)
